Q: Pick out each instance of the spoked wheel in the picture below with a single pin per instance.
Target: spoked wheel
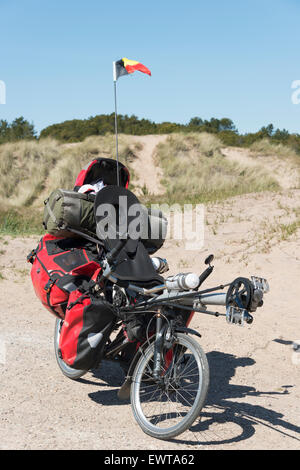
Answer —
(66, 370)
(167, 406)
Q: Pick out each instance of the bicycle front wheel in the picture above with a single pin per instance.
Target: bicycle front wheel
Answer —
(167, 406)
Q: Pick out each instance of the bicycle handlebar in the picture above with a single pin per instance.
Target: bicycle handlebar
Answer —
(205, 275)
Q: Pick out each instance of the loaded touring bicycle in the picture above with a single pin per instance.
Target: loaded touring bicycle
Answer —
(114, 301)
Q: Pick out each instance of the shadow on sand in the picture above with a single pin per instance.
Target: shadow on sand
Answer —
(222, 395)
(111, 375)
(244, 416)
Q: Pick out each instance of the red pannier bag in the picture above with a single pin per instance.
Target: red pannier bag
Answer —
(88, 324)
(59, 266)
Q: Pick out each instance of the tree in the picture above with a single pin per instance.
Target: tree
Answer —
(17, 130)
(227, 124)
(196, 121)
(267, 131)
(281, 135)
(4, 130)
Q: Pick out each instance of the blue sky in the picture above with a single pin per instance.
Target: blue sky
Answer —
(214, 58)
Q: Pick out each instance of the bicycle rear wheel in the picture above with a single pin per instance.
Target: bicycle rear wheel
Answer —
(167, 407)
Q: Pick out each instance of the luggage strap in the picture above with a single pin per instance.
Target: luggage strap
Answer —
(86, 289)
(84, 235)
(49, 285)
(51, 213)
(77, 301)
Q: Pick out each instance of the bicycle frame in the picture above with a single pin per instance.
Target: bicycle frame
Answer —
(153, 304)
(184, 300)
(194, 301)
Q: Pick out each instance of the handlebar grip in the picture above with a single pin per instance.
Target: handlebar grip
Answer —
(112, 255)
(205, 275)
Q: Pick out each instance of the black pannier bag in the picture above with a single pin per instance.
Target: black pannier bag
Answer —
(87, 326)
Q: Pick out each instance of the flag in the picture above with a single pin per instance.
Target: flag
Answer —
(125, 66)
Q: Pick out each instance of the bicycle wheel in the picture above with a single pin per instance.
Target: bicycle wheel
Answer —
(66, 370)
(167, 407)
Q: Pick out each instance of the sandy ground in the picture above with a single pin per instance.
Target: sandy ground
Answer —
(146, 173)
(254, 394)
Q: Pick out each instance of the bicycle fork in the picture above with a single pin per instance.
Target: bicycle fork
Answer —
(158, 347)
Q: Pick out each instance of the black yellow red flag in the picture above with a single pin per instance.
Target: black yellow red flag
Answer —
(126, 66)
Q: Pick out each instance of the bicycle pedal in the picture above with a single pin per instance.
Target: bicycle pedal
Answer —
(238, 316)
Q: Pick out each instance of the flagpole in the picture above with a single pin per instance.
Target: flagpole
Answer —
(116, 119)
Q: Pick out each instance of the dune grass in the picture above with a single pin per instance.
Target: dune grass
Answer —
(24, 167)
(75, 157)
(267, 148)
(195, 171)
(30, 170)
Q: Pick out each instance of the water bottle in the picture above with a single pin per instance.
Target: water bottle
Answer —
(183, 281)
(160, 265)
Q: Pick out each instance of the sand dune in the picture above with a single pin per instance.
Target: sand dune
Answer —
(284, 171)
(147, 173)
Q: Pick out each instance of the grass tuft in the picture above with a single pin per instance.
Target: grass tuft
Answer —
(21, 221)
(195, 171)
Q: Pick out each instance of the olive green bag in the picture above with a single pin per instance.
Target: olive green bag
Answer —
(65, 210)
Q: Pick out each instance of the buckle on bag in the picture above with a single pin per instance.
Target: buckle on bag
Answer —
(49, 286)
(30, 257)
